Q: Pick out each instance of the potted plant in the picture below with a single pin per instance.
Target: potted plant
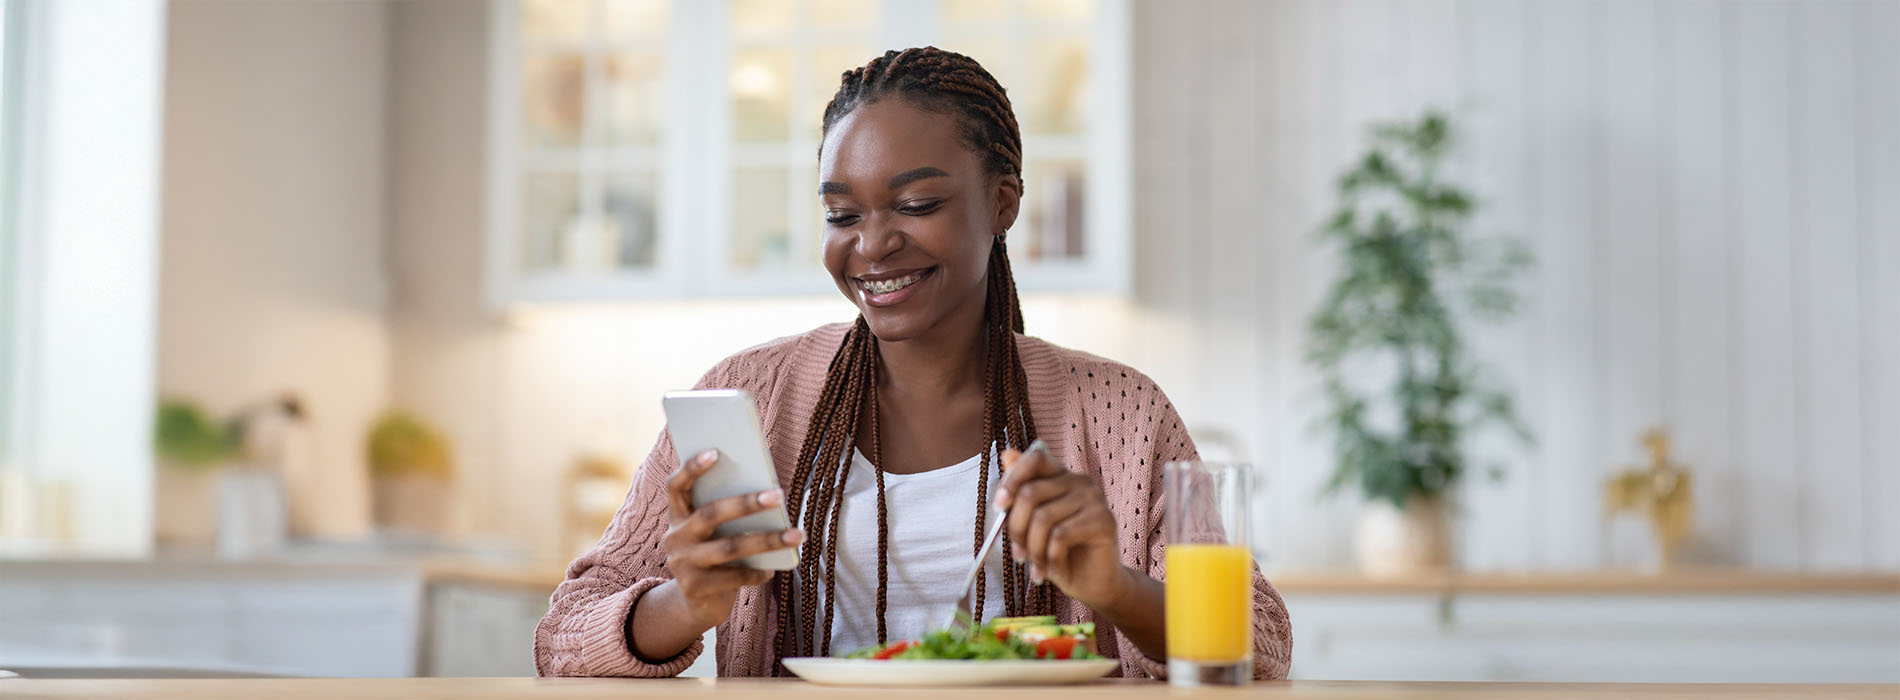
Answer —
(1402, 391)
(414, 474)
(190, 446)
(223, 463)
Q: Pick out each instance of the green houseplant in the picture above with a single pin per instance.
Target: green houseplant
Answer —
(185, 436)
(1402, 391)
(193, 451)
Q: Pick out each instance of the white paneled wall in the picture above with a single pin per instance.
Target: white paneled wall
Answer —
(1713, 192)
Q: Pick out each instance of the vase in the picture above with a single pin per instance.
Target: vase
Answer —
(253, 518)
(1393, 542)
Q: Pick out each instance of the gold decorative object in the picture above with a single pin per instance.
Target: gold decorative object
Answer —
(1660, 491)
(595, 486)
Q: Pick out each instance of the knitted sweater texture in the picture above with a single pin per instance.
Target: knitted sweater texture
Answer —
(1100, 418)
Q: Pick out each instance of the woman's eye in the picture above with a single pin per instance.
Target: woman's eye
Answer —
(921, 208)
(840, 219)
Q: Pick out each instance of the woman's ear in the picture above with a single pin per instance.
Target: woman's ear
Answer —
(1009, 202)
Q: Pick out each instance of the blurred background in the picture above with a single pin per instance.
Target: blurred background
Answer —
(331, 329)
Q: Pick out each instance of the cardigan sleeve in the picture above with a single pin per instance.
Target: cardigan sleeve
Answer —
(584, 632)
(1165, 439)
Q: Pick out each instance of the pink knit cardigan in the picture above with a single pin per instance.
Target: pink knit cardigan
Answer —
(1100, 418)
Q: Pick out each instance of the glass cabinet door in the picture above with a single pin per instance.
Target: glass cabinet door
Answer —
(1040, 50)
(785, 59)
(668, 148)
(594, 112)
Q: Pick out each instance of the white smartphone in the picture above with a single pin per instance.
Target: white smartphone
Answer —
(728, 420)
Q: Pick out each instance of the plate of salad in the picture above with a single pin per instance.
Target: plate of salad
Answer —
(1004, 651)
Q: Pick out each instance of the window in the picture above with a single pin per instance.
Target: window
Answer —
(12, 472)
(637, 140)
(79, 241)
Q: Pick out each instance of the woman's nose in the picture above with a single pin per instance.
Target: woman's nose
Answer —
(879, 238)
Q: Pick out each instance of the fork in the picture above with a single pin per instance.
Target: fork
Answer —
(982, 553)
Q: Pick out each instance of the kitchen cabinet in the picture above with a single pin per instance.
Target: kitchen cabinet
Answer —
(275, 619)
(382, 619)
(666, 149)
(482, 630)
(1728, 627)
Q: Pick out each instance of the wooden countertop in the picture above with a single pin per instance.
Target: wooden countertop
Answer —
(1687, 581)
(618, 688)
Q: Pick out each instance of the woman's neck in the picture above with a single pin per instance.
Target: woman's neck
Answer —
(930, 406)
(943, 364)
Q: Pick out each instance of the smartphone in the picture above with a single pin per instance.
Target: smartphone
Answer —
(728, 420)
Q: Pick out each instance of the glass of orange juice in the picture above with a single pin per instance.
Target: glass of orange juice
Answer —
(1210, 574)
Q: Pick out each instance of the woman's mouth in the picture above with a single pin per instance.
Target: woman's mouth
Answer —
(884, 292)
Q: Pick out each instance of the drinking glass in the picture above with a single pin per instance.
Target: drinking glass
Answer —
(1210, 574)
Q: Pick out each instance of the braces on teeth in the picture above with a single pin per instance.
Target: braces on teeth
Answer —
(888, 286)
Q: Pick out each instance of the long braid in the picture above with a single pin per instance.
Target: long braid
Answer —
(983, 474)
(952, 83)
(883, 522)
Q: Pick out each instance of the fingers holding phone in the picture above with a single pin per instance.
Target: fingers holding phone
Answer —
(705, 565)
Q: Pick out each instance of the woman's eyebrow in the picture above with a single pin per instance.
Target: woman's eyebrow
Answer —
(898, 180)
(915, 174)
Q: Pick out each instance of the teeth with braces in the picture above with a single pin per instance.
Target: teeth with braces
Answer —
(888, 286)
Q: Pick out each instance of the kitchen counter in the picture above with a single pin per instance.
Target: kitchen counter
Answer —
(477, 688)
(1685, 581)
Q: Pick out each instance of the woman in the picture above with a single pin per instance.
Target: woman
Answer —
(921, 177)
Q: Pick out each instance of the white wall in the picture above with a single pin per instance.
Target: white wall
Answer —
(276, 191)
(1710, 188)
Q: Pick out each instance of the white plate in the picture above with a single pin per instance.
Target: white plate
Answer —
(947, 672)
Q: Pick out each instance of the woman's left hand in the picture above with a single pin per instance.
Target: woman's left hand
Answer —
(1060, 524)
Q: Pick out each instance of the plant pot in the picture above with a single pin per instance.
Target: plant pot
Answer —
(187, 505)
(414, 504)
(1391, 542)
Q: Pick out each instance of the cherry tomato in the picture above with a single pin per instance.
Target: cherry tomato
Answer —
(1002, 635)
(1056, 648)
(893, 650)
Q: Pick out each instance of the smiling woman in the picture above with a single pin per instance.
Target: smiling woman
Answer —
(888, 431)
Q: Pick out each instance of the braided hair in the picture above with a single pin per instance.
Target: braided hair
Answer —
(950, 83)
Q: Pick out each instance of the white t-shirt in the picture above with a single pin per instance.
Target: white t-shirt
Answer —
(932, 527)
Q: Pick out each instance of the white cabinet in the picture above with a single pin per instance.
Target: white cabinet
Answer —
(319, 621)
(482, 630)
(665, 149)
(1648, 637)
(390, 619)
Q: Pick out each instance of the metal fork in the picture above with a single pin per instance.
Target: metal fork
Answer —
(982, 553)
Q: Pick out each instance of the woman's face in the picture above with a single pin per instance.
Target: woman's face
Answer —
(909, 217)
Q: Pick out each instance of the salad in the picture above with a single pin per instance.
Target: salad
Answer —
(1035, 637)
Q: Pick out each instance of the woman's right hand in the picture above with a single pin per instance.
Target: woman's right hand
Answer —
(704, 566)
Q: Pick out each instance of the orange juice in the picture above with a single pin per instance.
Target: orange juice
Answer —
(1210, 603)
